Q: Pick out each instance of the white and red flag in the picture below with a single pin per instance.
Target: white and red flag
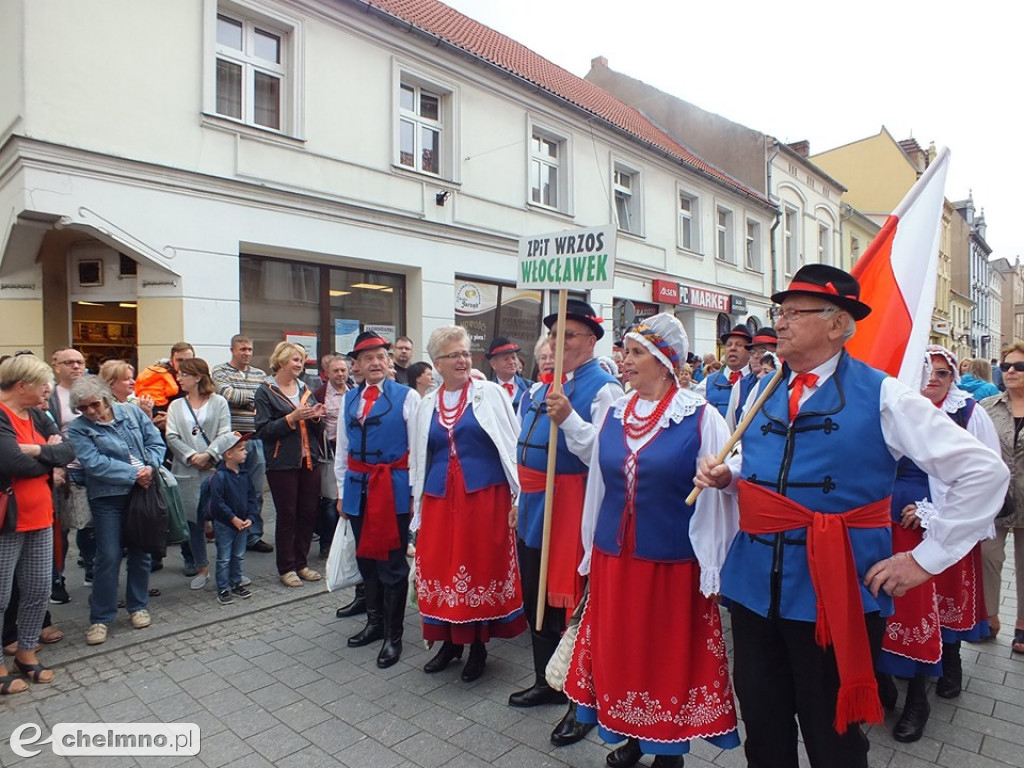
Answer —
(897, 280)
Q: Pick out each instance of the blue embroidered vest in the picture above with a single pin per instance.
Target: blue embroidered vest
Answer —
(532, 447)
(664, 477)
(479, 459)
(382, 438)
(833, 458)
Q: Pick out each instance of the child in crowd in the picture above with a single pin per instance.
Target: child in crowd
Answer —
(232, 501)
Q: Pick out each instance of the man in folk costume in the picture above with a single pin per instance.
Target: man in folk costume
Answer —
(587, 393)
(765, 340)
(810, 576)
(372, 467)
(501, 354)
(717, 388)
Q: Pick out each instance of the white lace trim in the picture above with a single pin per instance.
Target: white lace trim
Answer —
(956, 399)
(925, 512)
(685, 403)
(710, 581)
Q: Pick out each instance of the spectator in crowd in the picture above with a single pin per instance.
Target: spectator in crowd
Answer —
(68, 367)
(198, 427)
(1007, 412)
(30, 449)
(997, 375)
(289, 419)
(421, 378)
(684, 377)
(119, 376)
(502, 355)
(402, 359)
(372, 468)
(160, 381)
(717, 387)
(578, 409)
(237, 382)
(701, 370)
(765, 340)
(232, 499)
(544, 359)
(464, 479)
(332, 395)
(118, 447)
(978, 380)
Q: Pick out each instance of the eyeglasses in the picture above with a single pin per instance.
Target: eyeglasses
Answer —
(71, 362)
(791, 315)
(569, 335)
(97, 406)
(455, 356)
(942, 373)
(1018, 367)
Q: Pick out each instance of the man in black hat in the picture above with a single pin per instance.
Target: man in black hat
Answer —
(578, 410)
(501, 354)
(765, 340)
(717, 388)
(374, 492)
(810, 575)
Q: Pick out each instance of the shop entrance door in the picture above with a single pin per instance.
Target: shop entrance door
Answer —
(104, 331)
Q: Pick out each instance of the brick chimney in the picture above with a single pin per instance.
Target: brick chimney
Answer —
(599, 61)
(802, 148)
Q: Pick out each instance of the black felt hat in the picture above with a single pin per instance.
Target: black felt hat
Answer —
(368, 340)
(581, 312)
(832, 284)
(500, 346)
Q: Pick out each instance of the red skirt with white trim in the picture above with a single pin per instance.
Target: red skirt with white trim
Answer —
(912, 632)
(962, 606)
(467, 572)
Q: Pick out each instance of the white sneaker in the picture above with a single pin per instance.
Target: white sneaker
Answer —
(199, 582)
(140, 619)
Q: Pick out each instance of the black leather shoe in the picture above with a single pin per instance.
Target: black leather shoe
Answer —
(537, 694)
(475, 663)
(390, 653)
(356, 607)
(448, 653)
(911, 724)
(626, 756)
(261, 546)
(569, 730)
(668, 761)
(951, 682)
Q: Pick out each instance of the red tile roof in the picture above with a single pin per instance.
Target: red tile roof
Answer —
(481, 41)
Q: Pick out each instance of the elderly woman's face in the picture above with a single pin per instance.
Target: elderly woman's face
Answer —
(95, 409)
(643, 369)
(939, 380)
(33, 395)
(123, 387)
(454, 364)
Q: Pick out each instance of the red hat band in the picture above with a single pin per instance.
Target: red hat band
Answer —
(366, 344)
(764, 340)
(827, 288)
(503, 349)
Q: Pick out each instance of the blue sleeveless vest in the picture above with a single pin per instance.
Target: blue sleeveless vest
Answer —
(664, 478)
(382, 438)
(833, 458)
(532, 447)
(522, 386)
(718, 390)
(747, 384)
(479, 459)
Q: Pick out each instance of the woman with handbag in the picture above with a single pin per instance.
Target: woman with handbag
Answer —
(29, 450)
(649, 663)
(198, 426)
(118, 448)
(1007, 412)
(289, 422)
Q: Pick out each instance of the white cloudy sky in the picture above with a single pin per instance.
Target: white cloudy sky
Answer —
(942, 71)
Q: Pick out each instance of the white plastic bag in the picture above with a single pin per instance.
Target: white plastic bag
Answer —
(342, 569)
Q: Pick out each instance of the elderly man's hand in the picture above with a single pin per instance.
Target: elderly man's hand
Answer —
(711, 473)
(895, 575)
(559, 407)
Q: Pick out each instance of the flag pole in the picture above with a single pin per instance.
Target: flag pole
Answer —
(741, 428)
(549, 480)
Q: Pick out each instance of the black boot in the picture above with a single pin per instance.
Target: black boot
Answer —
(448, 653)
(357, 606)
(668, 761)
(394, 623)
(374, 629)
(475, 663)
(887, 692)
(540, 692)
(569, 730)
(911, 724)
(951, 682)
(626, 756)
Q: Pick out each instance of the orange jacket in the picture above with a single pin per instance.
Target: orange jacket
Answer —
(157, 381)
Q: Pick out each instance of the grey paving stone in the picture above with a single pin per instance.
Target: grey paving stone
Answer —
(271, 661)
(310, 757)
(989, 726)
(297, 675)
(367, 753)
(302, 715)
(277, 742)
(251, 679)
(427, 750)
(333, 736)
(249, 721)
(1005, 751)
(353, 709)
(388, 728)
(275, 696)
(954, 757)
(483, 742)
(523, 755)
(322, 691)
(224, 702)
(222, 748)
(441, 722)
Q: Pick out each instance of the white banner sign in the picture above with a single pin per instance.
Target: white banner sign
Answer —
(577, 259)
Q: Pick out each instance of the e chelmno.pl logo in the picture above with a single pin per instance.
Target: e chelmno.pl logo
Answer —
(108, 739)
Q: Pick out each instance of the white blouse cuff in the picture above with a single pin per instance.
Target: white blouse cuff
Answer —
(925, 512)
(710, 581)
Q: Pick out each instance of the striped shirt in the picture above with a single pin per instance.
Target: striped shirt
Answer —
(239, 389)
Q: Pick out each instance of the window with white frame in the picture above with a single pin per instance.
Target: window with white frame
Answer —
(626, 188)
(790, 239)
(824, 244)
(753, 245)
(252, 82)
(689, 221)
(724, 235)
(420, 127)
(548, 170)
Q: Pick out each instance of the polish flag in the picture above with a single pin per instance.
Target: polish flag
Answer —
(897, 280)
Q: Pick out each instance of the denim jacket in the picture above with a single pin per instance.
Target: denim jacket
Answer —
(103, 449)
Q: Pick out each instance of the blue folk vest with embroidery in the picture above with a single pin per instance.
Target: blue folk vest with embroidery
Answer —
(479, 459)
(661, 521)
(532, 447)
(382, 438)
(831, 460)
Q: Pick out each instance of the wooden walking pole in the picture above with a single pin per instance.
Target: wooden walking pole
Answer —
(549, 480)
(741, 428)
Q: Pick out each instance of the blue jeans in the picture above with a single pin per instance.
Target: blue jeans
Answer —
(231, 545)
(197, 544)
(256, 466)
(107, 514)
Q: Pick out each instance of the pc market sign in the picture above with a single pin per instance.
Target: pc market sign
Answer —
(577, 259)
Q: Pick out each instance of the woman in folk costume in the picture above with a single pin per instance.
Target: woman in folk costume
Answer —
(930, 620)
(464, 479)
(645, 549)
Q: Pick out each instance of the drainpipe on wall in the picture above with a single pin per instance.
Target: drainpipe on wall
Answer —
(778, 219)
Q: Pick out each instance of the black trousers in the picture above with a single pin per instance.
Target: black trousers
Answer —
(394, 570)
(529, 572)
(781, 677)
